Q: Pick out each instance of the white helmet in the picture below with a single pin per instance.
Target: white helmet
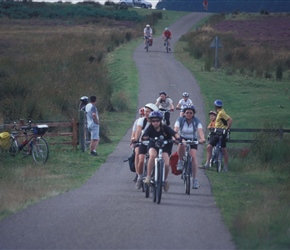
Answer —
(151, 106)
(147, 26)
(166, 28)
(185, 94)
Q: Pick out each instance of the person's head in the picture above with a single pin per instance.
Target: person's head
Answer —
(155, 118)
(142, 111)
(212, 115)
(147, 26)
(165, 29)
(218, 104)
(162, 95)
(149, 107)
(93, 98)
(185, 95)
(189, 111)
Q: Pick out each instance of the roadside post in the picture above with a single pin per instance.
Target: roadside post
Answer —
(216, 44)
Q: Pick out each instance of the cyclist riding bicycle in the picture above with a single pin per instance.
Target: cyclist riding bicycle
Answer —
(164, 103)
(147, 33)
(184, 102)
(223, 121)
(156, 129)
(142, 124)
(167, 36)
(189, 127)
(133, 136)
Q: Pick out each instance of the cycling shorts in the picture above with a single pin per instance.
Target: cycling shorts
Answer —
(214, 140)
(142, 149)
(166, 148)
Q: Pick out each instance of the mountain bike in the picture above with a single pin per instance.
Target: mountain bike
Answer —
(157, 182)
(33, 145)
(147, 43)
(166, 44)
(217, 154)
(164, 111)
(187, 165)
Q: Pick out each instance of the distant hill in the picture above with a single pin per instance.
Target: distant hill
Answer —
(226, 6)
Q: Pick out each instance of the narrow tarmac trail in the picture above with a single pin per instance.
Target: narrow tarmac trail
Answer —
(108, 212)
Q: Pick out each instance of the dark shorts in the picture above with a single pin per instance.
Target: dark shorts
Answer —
(214, 140)
(166, 149)
(193, 146)
(142, 149)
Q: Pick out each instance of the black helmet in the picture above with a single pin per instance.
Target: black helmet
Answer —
(185, 94)
(162, 93)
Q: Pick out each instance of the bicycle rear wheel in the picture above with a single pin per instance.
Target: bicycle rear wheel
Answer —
(218, 163)
(40, 151)
(159, 181)
(13, 150)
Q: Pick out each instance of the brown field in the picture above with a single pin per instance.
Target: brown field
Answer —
(270, 31)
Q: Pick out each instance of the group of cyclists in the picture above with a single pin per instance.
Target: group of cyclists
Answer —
(167, 35)
(187, 127)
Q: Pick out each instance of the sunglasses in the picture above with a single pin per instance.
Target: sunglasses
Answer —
(155, 121)
(189, 113)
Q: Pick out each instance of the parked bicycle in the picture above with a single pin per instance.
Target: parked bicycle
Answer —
(217, 155)
(158, 175)
(187, 165)
(33, 145)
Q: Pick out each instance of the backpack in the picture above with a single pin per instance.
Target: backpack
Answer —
(131, 161)
(173, 164)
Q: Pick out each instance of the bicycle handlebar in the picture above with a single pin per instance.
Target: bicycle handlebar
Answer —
(190, 142)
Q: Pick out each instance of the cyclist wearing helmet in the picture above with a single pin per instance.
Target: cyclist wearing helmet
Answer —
(134, 128)
(223, 121)
(142, 124)
(184, 102)
(156, 129)
(147, 33)
(167, 36)
(84, 100)
(189, 127)
(164, 103)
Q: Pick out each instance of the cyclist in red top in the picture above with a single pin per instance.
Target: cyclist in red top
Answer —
(167, 35)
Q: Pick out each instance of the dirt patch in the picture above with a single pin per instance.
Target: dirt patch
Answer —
(272, 31)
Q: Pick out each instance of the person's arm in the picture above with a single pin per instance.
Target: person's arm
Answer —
(158, 102)
(201, 136)
(229, 122)
(171, 105)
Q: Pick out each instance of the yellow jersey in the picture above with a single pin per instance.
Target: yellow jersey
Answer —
(221, 119)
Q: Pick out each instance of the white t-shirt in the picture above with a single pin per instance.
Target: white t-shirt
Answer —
(188, 131)
(184, 103)
(166, 104)
(140, 122)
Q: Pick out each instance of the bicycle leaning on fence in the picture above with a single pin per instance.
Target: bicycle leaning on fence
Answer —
(217, 154)
(187, 165)
(34, 144)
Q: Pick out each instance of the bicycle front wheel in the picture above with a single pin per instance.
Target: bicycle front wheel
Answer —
(159, 181)
(187, 177)
(40, 151)
(218, 163)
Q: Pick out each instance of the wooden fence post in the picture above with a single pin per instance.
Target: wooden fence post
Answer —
(75, 133)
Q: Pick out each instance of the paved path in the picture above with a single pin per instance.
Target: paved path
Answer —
(117, 216)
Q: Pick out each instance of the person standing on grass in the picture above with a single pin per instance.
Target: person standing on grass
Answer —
(93, 124)
(223, 121)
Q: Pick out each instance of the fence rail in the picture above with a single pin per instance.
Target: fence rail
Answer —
(279, 132)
